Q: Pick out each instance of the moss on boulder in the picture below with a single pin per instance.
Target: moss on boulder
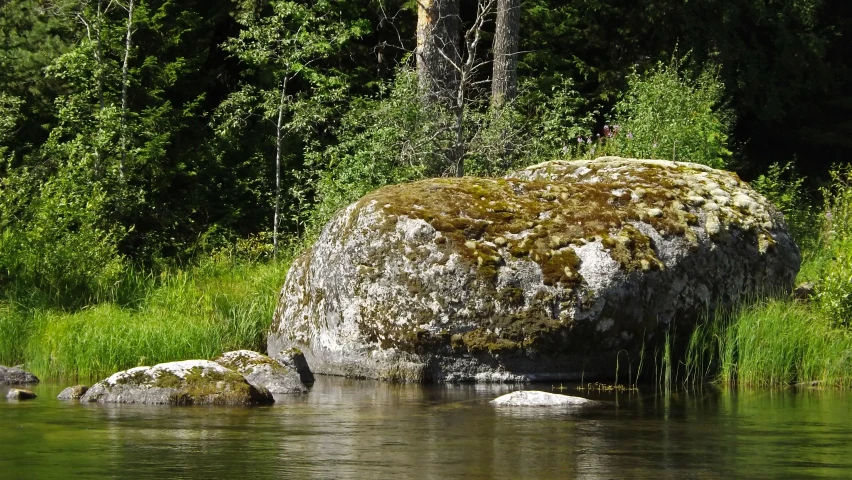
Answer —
(544, 274)
(263, 372)
(189, 382)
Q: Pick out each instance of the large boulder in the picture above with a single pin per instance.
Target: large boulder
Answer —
(263, 372)
(190, 382)
(16, 376)
(555, 272)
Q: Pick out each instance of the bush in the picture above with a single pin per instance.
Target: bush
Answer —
(395, 138)
(784, 188)
(58, 246)
(383, 140)
(831, 260)
(554, 120)
(671, 113)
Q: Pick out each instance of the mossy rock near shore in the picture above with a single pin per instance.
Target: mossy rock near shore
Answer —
(546, 274)
(263, 372)
(188, 382)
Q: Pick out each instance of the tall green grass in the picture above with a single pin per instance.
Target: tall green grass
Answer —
(199, 313)
(781, 341)
(771, 343)
(14, 330)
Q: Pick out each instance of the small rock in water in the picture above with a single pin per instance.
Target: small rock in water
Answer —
(20, 394)
(15, 375)
(73, 393)
(533, 398)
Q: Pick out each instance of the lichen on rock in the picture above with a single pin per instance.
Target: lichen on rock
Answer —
(189, 382)
(544, 274)
(75, 392)
(16, 376)
(263, 372)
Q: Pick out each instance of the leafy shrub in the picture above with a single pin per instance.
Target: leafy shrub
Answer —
(381, 140)
(396, 137)
(785, 189)
(671, 113)
(832, 270)
(57, 246)
(555, 121)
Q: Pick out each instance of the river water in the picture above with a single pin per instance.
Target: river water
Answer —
(369, 430)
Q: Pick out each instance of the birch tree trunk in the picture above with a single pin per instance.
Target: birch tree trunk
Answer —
(438, 50)
(504, 85)
(279, 138)
(128, 44)
(99, 85)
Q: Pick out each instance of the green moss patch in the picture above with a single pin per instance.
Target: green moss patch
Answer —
(543, 216)
(209, 387)
(541, 221)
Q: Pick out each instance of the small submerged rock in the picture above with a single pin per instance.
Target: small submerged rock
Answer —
(15, 375)
(533, 398)
(73, 393)
(263, 372)
(190, 382)
(20, 394)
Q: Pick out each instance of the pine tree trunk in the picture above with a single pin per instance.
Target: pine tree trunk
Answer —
(128, 45)
(504, 86)
(438, 49)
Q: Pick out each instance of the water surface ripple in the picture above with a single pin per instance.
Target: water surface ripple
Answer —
(364, 429)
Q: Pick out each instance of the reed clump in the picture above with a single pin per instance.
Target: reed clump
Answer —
(771, 342)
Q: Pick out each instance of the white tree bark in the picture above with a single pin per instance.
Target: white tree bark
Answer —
(279, 139)
(128, 45)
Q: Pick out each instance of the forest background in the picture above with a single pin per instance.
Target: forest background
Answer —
(161, 161)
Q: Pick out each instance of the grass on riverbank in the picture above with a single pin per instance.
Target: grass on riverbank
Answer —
(771, 343)
(199, 313)
(781, 341)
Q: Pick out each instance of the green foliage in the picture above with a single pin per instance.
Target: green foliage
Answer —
(288, 90)
(394, 137)
(785, 189)
(14, 330)
(57, 248)
(219, 306)
(391, 138)
(674, 116)
(556, 119)
(831, 259)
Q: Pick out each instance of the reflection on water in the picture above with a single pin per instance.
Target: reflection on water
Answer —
(363, 429)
